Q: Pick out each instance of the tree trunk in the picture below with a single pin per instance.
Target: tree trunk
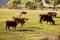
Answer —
(54, 7)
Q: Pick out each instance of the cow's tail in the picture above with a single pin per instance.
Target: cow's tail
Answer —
(40, 20)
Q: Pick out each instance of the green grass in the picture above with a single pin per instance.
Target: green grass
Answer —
(32, 28)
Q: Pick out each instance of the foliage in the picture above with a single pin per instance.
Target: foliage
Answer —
(13, 2)
(47, 1)
(58, 1)
(39, 0)
(37, 3)
(54, 1)
(41, 5)
(28, 4)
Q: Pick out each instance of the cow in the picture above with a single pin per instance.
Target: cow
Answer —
(20, 14)
(20, 20)
(54, 14)
(24, 12)
(45, 17)
(11, 24)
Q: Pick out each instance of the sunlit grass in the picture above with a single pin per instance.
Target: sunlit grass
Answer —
(32, 28)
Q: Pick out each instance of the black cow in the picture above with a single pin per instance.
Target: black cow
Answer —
(54, 14)
(24, 12)
(11, 24)
(45, 17)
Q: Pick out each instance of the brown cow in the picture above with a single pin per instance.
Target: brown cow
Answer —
(54, 14)
(20, 20)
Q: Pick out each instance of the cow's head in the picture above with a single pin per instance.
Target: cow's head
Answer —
(25, 19)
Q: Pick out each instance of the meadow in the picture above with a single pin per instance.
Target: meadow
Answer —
(32, 29)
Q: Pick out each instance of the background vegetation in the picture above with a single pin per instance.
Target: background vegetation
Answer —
(37, 3)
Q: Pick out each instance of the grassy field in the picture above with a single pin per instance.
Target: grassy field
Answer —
(32, 30)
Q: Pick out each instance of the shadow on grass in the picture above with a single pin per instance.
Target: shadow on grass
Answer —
(30, 29)
(25, 30)
(57, 17)
(35, 28)
(57, 25)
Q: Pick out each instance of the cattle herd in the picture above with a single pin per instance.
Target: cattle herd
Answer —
(15, 21)
(43, 17)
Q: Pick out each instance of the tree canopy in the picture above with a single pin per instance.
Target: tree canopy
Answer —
(37, 3)
(13, 2)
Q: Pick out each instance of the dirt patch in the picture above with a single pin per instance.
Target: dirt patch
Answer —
(50, 37)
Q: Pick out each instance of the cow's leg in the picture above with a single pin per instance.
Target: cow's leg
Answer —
(8, 28)
(40, 20)
(22, 26)
(50, 22)
(15, 27)
(47, 21)
(55, 15)
(53, 22)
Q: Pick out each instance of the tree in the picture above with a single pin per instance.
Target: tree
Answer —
(38, 3)
(29, 4)
(47, 1)
(54, 2)
(13, 2)
(39, 0)
(58, 1)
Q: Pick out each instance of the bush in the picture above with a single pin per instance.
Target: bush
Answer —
(13, 2)
(29, 4)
